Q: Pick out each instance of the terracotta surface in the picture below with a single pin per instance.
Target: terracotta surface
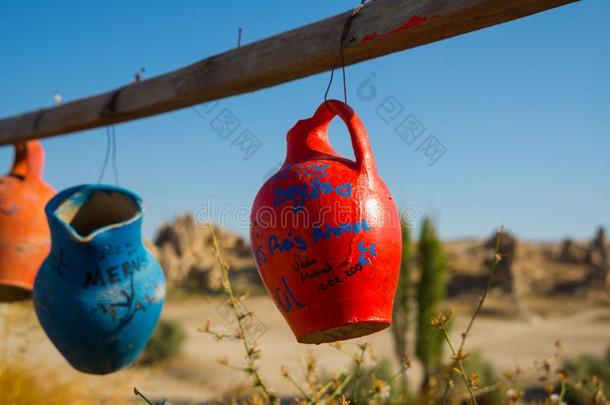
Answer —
(326, 234)
(24, 233)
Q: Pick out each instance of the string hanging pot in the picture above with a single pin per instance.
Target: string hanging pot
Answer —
(326, 234)
(99, 293)
(24, 233)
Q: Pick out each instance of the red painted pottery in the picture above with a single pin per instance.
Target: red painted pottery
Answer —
(326, 234)
(24, 232)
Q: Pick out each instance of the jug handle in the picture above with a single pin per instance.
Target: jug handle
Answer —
(360, 139)
(29, 160)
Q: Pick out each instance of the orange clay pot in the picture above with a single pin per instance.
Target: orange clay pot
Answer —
(24, 232)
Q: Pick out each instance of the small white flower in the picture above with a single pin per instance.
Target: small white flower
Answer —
(385, 392)
(381, 388)
(554, 398)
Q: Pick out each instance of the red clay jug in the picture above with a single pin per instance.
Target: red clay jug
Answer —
(24, 232)
(326, 234)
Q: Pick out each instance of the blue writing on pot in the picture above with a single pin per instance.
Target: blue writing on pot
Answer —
(288, 300)
(297, 194)
(286, 244)
(366, 251)
(323, 233)
(315, 170)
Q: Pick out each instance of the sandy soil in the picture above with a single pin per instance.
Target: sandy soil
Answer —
(503, 339)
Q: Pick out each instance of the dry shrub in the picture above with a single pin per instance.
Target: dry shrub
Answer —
(24, 382)
(166, 342)
(19, 385)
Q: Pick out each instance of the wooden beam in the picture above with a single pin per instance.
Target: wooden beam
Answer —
(380, 27)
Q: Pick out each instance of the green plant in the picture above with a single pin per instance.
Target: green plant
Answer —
(374, 383)
(400, 316)
(590, 379)
(457, 366)
(252, 352)
(430, 292)
(166, 342)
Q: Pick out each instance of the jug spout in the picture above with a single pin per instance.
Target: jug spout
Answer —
(29, 160)
(85, 212)
(307, 140)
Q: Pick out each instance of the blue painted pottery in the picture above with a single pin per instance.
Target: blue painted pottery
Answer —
(99, 293)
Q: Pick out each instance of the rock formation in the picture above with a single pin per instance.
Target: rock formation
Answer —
(504, 276)
(572, 252)
(599, 259)
(184, 249)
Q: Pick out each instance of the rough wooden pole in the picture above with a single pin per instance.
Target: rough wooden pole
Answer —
(381, 27)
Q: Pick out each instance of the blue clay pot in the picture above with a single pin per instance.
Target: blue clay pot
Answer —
(99, 293)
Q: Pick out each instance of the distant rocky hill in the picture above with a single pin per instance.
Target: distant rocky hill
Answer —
(527, 268)
(184, 249)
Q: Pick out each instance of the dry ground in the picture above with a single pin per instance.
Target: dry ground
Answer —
(506, 340)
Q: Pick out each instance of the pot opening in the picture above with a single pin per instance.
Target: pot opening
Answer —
(95, 210)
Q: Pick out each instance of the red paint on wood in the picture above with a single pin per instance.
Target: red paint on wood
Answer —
(412, 22)
(370, 37)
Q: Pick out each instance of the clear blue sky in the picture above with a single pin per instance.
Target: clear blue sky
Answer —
(522, 109)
